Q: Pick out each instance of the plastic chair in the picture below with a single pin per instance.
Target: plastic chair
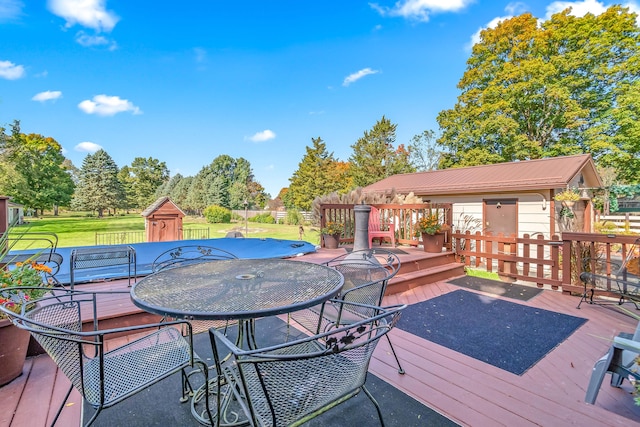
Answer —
(291, 383)
(105, 378)
(619, 362)
(187, 255)
(377, 228)
(366, 276)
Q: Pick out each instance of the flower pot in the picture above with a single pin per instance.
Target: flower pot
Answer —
(331, 241)
(433, 242)
(13, 351)
(568, 203)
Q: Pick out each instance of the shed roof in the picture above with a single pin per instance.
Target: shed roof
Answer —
(158, 204)
(526, 175)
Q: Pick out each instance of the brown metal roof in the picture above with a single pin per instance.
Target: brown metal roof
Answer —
(550, 173)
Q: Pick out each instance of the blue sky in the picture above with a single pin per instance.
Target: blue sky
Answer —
(186, 81)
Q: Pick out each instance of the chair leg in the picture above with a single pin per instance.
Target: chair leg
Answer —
(66, 396)
(375, 403)
(597, 375)
(400, 369)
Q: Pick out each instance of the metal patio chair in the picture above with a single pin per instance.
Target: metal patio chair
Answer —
(187, 255)
(65, 324)
(620, 362)
(291, 383)
(366, 276)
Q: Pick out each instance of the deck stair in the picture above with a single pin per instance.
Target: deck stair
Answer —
(424, 268)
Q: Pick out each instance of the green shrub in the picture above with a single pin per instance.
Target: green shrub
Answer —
(294, 217)
(263, 218)
(236, 217)
(217, 214)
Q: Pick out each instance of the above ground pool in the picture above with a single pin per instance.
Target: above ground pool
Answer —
(147, 252)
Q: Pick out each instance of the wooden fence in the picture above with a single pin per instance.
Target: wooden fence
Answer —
(556, 261)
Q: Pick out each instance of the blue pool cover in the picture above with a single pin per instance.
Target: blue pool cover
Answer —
(146, 253)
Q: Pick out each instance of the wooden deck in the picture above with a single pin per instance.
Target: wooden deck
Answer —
(470, 392)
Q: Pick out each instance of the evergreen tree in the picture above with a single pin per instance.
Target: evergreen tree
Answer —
(99, 187)
(375, 156)
(316, 175)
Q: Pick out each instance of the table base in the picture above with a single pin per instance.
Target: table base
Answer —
(231, 413)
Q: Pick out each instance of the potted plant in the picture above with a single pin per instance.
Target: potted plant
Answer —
(568, 197)
(20, 282)
(432, 231)
(331, 234)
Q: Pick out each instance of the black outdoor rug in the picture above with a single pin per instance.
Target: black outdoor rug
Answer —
(510, 336)
(503, 289)
(159, 404)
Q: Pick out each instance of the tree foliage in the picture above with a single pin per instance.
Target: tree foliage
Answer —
(424, 154)
(375, 156)
(566, 86)
(98, 187)
(144, 177)
(33, 170)
(318, 173)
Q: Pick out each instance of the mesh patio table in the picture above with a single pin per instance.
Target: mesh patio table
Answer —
(239, 289)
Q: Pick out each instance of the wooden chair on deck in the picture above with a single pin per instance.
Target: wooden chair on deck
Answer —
(378, 230)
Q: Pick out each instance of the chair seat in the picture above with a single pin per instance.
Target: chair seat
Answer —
(136, 365)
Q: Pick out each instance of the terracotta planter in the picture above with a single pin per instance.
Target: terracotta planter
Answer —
(13, 351)
(433, 242)
(331, 241)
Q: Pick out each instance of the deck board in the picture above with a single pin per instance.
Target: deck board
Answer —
(468, 391)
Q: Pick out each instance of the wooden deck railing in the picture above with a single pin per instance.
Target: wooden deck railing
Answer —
(403, 216)
(539, 260)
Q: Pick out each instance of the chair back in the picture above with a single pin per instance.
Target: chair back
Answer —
(366, 274)
(55, 323)
(286, 383)
(374, 220)
(187, 255)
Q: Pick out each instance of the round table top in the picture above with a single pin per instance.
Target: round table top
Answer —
(236, 289)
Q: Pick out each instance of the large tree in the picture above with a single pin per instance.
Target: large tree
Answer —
(318, 173)
(98, 188)
(34, 171)
(146, 176)
(375, 155)
(559, 87)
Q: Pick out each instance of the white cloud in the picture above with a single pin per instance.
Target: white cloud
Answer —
(47, 96)
(265, 135)
(421, 9)
(87, 147)
(88, 40)
(578, 8)
(88, 13)
(11, 71)
(104, 105)
(351, 78)
(10, 10)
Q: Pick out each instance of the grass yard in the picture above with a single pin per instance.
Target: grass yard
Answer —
(76, 230)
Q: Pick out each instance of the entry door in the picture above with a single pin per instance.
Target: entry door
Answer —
(501, 216)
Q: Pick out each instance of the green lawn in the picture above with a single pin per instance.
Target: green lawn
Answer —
(75, 230)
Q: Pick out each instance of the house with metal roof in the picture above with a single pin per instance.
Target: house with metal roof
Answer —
(514, 197)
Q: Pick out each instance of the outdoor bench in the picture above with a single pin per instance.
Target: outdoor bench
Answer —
(102, 256)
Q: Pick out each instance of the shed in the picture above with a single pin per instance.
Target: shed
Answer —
(16, 213)
(163, 221)
(514, 197)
